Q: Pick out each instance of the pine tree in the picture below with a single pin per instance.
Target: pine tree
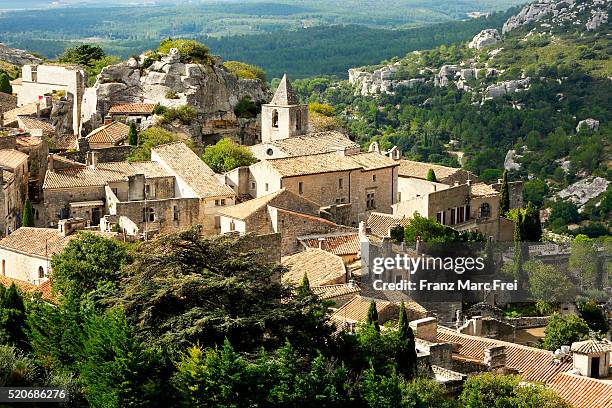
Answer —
(532, 228)
(27, 219)
(133, 135)
(431, 176)
(372, 318)
(13, 318)
(504, 194)
(5, 84)
(304, 289)
(406, 355)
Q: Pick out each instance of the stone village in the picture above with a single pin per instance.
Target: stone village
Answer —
(319, 204)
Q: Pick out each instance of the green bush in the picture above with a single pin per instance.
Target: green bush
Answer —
(245, 71)
(226, 155)
(171, 95)
(246, 108)
(191, 51)
(186, 114)
(322, 109)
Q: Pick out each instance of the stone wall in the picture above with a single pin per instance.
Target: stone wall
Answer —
(105, 155)
(171, 214)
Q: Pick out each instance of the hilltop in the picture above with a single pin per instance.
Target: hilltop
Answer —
(530, 96)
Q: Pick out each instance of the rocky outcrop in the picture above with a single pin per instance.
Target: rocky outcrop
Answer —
(17, 57)
(584, 190)
(589, 124)
(506, 88)
(510, 161)
(61, 115)
(590, 14)
(485, 38)
(209, 88)
(381, 80)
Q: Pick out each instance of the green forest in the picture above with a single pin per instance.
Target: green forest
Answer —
(185, 321)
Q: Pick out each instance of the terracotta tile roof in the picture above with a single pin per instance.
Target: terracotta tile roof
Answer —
(33, 123)
(284, 94)
(10, 117)
(192, 170)
(110, 134)
(534, 365)
(583, 392)
(373, 160)
(245, 209)
(483, 190)
(381, 223)
(17, 81)
(306, 216)
(7, 102)
(39, 242)
(85, 176)
(11, 158)
(132, 109)
(346, 244)
(328, 163)
(44, 288)
(28, 141)
(591, 347)
(409, 168)
(314, 143)
(356, 309)
(322, 268)
(332, 291)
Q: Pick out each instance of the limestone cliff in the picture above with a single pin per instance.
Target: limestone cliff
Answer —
(210, 88)
(17, 57)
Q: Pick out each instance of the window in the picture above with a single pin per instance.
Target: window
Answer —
(301, 187)
(298, 120)
(460, 214)
(270, 152)
(253, 185)
(340, 183)
(370, 201)
(267, 187)
(34, 73)
(4, 267)
(220, 202)
(373, 177)
(275, 118)
(175, 212)
(148, 214)
(453, 219)
(440, 217)
(41, 272)
(485, 210)
(147, 191)
(115, 191)
(232, 226)
(399, 196)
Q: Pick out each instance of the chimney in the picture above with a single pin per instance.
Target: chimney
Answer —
(321, 240)
(374, 147)
(92, 159)
(425, 329)
(495, 357)
(418, 245)
(108, 120)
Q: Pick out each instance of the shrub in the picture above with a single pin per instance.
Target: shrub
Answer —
(186, 114)
(245, 71)
(246, 108)
(226, 155)
(191, 51)
(322, 109)
(171, 95)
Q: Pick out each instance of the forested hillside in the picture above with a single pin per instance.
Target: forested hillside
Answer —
(537, 103)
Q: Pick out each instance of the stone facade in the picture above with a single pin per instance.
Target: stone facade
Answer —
(284, 116)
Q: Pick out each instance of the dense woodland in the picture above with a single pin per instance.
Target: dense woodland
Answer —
(185, 321)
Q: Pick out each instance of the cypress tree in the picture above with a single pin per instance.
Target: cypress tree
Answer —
(372, 318)
(504, 194)
(431, 176)
(304, 289)
(13, 318)
(532, 228)
(406, 355)
(27, 219)
(5, 84)
(133, 135)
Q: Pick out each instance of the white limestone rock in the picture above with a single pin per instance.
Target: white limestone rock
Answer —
(17, 57)
(584, 190)
(485, 38)
(509, 161)
(507, 88)
(590, 124)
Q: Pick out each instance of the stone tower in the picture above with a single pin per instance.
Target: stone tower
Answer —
(284, 116)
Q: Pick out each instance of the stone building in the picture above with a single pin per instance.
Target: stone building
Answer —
(280, 212)
(172, 191)
(14, 179)
(303, 145)
(284, 116)
(65, 81)
(131, 112)
(347, 187)
(109, 135)
(26, 254)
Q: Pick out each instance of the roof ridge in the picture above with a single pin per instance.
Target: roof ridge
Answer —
(499, 342)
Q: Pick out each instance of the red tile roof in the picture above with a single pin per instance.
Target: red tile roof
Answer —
(44, 288)
(591, 347)
(132, 109)
(306, 216)
(347, 244)
(583, 392)
(110, 134)
(381, 223)
(534, 365)
(332, 291)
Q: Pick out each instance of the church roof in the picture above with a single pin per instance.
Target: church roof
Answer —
(284, 94)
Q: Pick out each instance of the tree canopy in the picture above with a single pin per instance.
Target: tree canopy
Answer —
(226, 155)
